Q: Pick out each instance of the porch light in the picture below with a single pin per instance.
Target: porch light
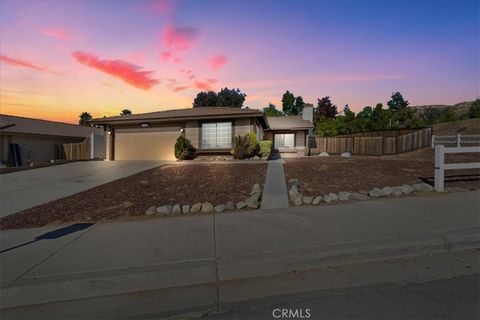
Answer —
(144, 125)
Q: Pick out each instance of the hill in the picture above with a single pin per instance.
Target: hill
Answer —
(468, 126)
(459, 109)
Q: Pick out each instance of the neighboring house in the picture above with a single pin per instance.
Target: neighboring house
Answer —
(36, 140)
(211, 130)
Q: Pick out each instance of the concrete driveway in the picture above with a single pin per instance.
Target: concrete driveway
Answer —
(26, 189)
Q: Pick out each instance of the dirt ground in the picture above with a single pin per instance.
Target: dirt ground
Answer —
(130, 197)
(320, 175)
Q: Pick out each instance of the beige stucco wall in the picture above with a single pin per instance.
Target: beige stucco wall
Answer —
(299, 139)
(243, 126)
(192, 132)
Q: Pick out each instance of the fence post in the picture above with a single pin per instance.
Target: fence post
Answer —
(459, 138)
(71, 151)
(439, 167)
(92, 145)
(433, 141)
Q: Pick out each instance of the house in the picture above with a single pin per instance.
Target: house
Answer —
(211, 130)
(26, 140)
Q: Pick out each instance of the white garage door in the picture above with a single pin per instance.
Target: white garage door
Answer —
(146, 145)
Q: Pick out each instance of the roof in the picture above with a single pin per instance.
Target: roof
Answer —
(44, 127)
(289, 123)
(184, 114)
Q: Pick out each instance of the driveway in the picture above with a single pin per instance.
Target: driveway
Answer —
(25, 189)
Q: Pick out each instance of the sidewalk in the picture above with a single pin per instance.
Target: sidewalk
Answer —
(201, 259)
(275, 191)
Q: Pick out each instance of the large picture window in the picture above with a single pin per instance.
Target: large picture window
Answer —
(216, 135)
(284, 141)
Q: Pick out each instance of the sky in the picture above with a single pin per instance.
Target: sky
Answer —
(59, 58)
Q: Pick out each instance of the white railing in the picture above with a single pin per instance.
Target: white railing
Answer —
(456, 140)
(441, 166)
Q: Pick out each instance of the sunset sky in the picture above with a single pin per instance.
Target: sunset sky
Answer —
(59, 58)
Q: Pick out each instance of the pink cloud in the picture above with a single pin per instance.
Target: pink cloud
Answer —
(123, 70)
(57, 33)
(166, 55)
(205, 85)
(22, 63)
(180, 88)
(177, 60)
(217, 61)
(159, 6)
(179, 38)
(137, 57)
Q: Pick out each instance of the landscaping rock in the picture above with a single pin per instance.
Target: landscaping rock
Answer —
(307, 200)
(333, 196)
(426, 187)
(164, 209)
(324, 154)
(151, 210)
(230, 205)
(327, 198)
(196, 207)
(376, 193)
(220, 208)
(207, 207)
(387, 191)
(240, 205)
(346, 155)
(297, 199)
(343, 196)
(396, 193)
(417, 187)
(317, 200)
(293, 191)
(358, 196)
(186, 208)
(292, 183)
(406, 189)
(253, 202)
(256, 189)
(176, 209)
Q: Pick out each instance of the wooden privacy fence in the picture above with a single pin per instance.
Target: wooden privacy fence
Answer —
(78, 151)
(376, 144)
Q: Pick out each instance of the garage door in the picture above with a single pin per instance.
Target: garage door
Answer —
(146, 145)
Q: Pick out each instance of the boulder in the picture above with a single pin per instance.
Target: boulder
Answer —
(417, 187)
(346, 155)
(240, 205)
(257, 196)
(151, 210)
(358, 196)
(253, 202)
(207, 207)
(256, 189)
(316, 201)
(324, 154)
(230, 205)
(333, 196)
(196, 207)
(343, 196)
(375, 193)
(293, 191)
(396, 193)
(387, 191)
(186, 208)
(406, 189)
(327, 198)
(426, 187)
(164, 209)
(176, 209)
(292, 183)
(220, 208)
(307, 200)
(297, 199)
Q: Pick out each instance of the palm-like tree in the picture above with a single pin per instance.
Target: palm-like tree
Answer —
(126, 112)
(85, 119)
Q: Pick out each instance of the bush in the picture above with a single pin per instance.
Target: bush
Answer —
(241, 147)
(265, 148)
(326, 128)
(253, 144)
(474, 110)
(184, 149)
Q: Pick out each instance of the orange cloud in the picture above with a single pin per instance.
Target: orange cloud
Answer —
(176, 89)
(57, 33)
(217, 61)
(123, 70)
(21, 63)
(179, 38)
(205, 85)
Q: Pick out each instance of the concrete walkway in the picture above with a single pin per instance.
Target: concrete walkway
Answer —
(275, 190)
(215, 259)
(25, 189)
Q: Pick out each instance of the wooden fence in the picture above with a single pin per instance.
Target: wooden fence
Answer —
(373, 143)
(78, 151)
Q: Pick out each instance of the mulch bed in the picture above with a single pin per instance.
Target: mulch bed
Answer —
(321, 175)
(130, 197)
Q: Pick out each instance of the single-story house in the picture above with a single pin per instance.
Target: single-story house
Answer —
(211, 130)
(30, 140)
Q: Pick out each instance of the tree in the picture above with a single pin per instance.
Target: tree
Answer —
(85, 119)
(288, 103)
(325, 109)
(231, 98)
(326, 127)
(299, 105)
(474, 110)
(397, 102)
(126, 112)
(205, 99)
(272, 111)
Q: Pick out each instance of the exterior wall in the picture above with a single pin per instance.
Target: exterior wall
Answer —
(259, 130)
(192, 133)
(268, 135)
(299, 139)
(300, 143)
(243, 126)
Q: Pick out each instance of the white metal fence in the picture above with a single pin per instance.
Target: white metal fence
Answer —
(457, 140)
(441, 166)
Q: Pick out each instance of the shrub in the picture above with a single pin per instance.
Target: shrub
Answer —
(474, 110)
(184, 149)
(326, 128)
(241, 147)
(265, 148)
(253, 144)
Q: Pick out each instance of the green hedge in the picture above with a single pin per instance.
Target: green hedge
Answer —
(265, 148)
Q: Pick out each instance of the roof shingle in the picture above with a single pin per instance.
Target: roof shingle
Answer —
(289, 123)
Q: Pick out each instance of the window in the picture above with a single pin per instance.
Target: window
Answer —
(284, 141)
(216, 135)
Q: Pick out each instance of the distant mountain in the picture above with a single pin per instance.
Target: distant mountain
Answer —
(459, 108)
